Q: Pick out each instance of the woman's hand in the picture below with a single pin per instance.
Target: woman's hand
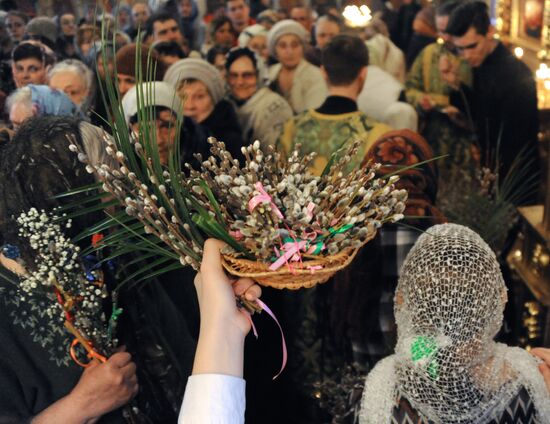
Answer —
(223, 325)
(102, 388)
(108, 386)
(216, 291)
(544, 369)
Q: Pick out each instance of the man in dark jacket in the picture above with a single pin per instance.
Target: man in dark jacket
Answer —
(503, 100)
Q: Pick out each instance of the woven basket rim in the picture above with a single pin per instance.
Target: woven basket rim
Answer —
(298, 268)
(300, 276)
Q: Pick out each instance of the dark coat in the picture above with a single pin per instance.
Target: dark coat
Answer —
(503, 105)
(223, 124)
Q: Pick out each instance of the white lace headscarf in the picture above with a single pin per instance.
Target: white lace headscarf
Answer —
(449, 306)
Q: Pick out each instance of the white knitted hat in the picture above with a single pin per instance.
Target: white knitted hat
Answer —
(198, 69)
(286, 26)
(250, 32)
(155, 93)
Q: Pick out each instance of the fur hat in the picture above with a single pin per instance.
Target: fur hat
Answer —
(125, 60)
(44, 28)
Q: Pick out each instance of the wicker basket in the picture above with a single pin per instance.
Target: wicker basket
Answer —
(297, 277)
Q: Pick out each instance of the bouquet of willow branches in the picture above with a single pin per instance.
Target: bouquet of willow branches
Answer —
(283, 226)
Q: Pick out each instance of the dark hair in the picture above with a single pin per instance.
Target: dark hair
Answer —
(44, 40)
(27, 51)
(169, 48)
(343, 58)
(215, 51)
(218, 22)
(239, 52)
(445, 8)
(156, 110)
(17, 13)
(8, 5)
(161, 16)
(300, 5)
(227, 1)
(331, 18)
(471, 14)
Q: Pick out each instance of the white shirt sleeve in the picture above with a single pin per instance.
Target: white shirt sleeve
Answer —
(213, 399)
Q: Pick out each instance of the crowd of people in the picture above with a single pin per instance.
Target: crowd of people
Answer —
(418, 83)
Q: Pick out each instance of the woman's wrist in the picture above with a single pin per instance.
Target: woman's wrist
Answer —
(220, 350)
(69, 410)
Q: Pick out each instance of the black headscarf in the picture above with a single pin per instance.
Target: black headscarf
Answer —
(34, 167)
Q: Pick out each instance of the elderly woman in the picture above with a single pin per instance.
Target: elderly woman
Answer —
(262, 113)
(201, 89)
(255, 38)
(38, 100)
(44, 384)
(165, 106)
(298, 81)
(75, 79)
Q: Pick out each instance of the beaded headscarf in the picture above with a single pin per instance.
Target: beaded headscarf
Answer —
(449, 306)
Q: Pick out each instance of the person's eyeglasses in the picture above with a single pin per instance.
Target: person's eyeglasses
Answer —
(15, 25)
(244, 75)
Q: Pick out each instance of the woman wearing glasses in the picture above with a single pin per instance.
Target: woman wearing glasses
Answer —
(262, 112)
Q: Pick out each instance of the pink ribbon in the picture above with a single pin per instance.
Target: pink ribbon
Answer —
(289, 250)
(311, 236)
(283, 342)
(263, 197)
(313, 248)
(309, 209)
(247, 315)
(272, 315)
(237, 235)
(314, 268)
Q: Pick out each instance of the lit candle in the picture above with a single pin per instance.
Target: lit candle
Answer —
(543, 86)
(518, 51)
(357, 17)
